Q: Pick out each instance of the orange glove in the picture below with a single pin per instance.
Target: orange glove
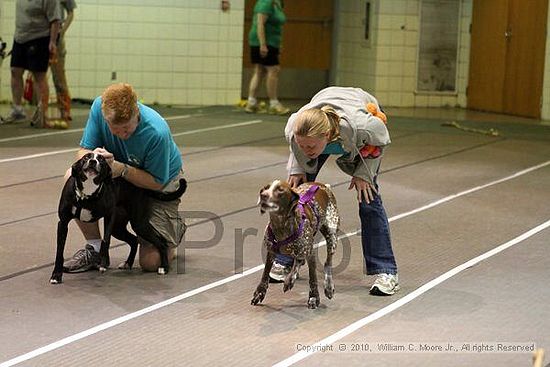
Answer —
(371, 107)
(370, 151)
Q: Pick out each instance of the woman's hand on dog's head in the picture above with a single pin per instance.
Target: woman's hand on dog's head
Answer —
(116, 167)
(296, 179)
(109, 157)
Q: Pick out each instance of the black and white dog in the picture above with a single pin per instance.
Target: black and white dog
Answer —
(91, 193)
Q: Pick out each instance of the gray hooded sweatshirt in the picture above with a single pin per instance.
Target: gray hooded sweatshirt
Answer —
(358, 128)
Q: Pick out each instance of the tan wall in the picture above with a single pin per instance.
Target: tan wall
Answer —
(545, 115)
(175, 52)
(386, 65)
(189, 52)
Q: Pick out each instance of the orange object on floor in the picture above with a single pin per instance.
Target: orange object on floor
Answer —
(28, 91)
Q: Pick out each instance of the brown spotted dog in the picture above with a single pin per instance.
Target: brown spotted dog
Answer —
(295, 216)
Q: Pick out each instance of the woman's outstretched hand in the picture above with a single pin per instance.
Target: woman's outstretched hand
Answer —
(364, 189)
(296, 180)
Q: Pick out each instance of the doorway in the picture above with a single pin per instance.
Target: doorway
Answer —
(306, 52)
(508, 41)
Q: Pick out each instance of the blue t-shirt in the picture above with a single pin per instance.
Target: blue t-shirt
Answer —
(334, 148)
(150, 148)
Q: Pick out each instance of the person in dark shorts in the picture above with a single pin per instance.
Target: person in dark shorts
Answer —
(58, 65)
(36, 29)
(264, 39)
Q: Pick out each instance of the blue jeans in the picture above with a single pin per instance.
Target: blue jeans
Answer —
(375, 232)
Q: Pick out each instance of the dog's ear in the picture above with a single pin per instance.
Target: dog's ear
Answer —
(294, 198)
(260, 197)
(76, 171)
(262, 211)
(105, 174)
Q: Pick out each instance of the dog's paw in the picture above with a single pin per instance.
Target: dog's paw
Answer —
(104, 264)
(329, 292)
(258, 298)
(57, 278)
(313, 303)
(161, 271)
(329, 287)
(288, 285)
(124, 266)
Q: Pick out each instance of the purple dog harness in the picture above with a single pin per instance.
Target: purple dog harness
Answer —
(304, 199)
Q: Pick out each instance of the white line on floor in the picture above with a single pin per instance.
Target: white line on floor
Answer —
(70, 131)
(409, 297)
(38, 155)
(133, 315)
(181, 117)
(218, 127)
(196, 131)
(41, 135)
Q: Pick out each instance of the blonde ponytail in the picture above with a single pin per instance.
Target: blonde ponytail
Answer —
(334, 121)
(318, 123)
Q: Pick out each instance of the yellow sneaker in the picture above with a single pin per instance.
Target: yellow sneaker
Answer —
(278, 109)
(251, 108)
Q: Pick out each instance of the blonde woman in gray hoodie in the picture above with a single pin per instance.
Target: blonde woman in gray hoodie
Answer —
(349, 123)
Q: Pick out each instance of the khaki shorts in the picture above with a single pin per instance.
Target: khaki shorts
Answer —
(165, 216)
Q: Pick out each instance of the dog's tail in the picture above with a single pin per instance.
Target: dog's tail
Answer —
(169, 196)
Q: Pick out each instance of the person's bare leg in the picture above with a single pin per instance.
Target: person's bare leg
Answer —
(17, 114)
(43, 98)
(272, 83)
(255, 82)
(59, 78)
(17, 85)
(90, 231)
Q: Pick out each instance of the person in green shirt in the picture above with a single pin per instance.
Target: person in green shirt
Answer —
(264, 39)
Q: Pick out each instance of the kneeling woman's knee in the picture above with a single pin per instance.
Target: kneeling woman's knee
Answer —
(149, 257)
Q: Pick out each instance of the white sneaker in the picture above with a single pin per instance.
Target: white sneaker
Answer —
(83, 260)
(15, 116)
(279, 272)
(385, 284)
(278, 109)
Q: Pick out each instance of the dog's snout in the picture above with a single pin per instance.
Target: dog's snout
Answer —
(264, 195)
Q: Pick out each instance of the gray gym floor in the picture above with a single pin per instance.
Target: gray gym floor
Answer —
(452, 196)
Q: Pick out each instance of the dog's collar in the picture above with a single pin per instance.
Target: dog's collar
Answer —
(304, 199)
(82, 196)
